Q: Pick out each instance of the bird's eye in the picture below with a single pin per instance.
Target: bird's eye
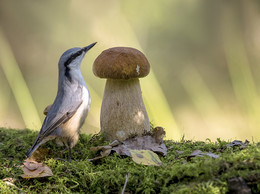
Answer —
(78, 53)
(71, 58)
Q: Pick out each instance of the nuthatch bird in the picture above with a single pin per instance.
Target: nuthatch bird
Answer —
(70, 108)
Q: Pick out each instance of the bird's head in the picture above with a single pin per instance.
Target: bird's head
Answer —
(72, 58)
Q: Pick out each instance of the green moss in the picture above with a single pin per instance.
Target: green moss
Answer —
(200, 175)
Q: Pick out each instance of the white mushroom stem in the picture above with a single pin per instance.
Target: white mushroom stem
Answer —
(123, 112)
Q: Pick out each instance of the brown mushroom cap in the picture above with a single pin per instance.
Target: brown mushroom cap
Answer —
(121, 63)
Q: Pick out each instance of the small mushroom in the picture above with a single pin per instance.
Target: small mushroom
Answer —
(123, 113)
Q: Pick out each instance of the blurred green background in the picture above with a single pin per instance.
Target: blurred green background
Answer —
(204, 56)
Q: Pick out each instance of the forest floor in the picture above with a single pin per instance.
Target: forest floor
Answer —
(189, 167)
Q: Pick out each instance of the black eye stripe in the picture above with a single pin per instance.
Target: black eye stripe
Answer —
(69, 60)
(72, 57)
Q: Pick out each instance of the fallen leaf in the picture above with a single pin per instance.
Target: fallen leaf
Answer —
(145, 157)
(141, 143)
(179, 152)
(238, 143)
(98, 148)
(196, 153)
(234, 143)
(200, 153)
(103, 154)
(114, 143)
(211, 155)
(104, 150)
(40, 154)
(31, 165)
(122, 150)
(244, 145)
(33, 169)
(152, 142)
(158, 133)
(193, 154)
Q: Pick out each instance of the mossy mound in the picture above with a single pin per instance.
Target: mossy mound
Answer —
(177, 175)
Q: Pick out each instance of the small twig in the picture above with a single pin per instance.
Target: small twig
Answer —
(126, 179)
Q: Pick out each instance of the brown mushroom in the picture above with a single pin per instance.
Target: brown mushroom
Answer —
(123, 113)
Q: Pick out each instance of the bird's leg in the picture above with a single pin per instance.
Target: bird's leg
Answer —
(64, 144)
(69, 154)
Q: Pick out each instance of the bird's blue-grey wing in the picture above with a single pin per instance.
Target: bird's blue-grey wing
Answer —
(59, 113)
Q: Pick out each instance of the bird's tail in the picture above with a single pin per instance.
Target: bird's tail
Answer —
(34, 147)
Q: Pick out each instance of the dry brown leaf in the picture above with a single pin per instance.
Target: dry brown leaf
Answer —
(98, 148)
(238, 143)
(200, 153)
(211, 155)
(31, 165)
(114, 143)
(122, 150)
(103, 154)
(152, 142)
(39, 155)
(141, 143)
(179, 152)
(104, 150)
(158, 134)
(33, 169)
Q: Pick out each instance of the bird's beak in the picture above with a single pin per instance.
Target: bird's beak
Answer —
(88, 47)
